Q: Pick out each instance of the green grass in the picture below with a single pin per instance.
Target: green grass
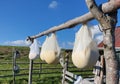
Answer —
(6, 54)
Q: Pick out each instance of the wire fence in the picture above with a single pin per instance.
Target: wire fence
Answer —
(57, 69)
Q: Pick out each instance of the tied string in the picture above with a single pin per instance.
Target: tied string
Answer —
(102, 29)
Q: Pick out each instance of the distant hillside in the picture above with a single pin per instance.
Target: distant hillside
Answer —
(7, 51)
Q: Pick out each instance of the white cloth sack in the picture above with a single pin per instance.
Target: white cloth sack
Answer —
(50, 51)
(85, 52)
(34, 50)
(43, 49)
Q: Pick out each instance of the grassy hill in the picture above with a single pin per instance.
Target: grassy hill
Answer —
(42, 74)
(7, 51)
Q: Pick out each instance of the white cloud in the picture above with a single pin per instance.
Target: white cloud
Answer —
(70, 43)
(67, 45)
(96, 34)
(99, 38)
(53, 4)
(95, 30)
(17, 43)
(63, 45)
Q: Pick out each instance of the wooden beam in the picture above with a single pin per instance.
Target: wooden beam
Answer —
(82, 19)
(108, 23)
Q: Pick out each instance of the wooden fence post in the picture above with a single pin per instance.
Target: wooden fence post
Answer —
(16, 54)
(99, 71)
(30, 71)
(14, 63)
(65, 67)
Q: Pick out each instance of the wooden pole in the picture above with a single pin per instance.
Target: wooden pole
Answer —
(108, 22)
(106, 7)
(64, 70)
(15, 67)
(65, 67)
(30, 72)
(14, 64)
(99, 69)
(102, 69)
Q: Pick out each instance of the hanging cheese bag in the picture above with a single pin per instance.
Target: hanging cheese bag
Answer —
(43, 49)
(50, 51)
(34, 50)
(85, 52)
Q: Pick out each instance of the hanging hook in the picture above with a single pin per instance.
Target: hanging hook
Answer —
(31, 39)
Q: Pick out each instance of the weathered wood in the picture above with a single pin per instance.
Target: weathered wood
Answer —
(109, 53)
(84, 81)
(30, 72)
(65, 67)
(106, 7)
(68, 78)
(96, 71)
(71, 74)
(99, 69)
(108, 23)
(102, 69)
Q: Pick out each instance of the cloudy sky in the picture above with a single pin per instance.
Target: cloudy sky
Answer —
(22, 18)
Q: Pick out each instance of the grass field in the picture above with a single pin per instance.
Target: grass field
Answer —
(50, 73)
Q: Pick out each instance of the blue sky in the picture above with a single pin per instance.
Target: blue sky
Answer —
(22, 18)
